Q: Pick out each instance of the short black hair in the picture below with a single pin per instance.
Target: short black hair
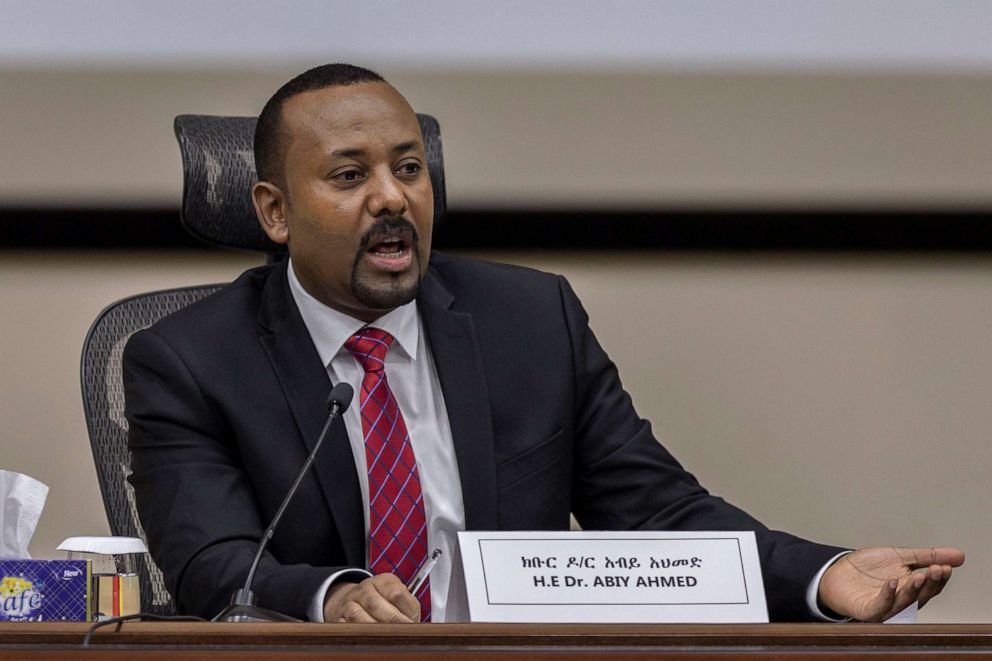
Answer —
(269, 148)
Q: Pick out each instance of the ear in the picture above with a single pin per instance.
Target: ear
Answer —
(270, 207)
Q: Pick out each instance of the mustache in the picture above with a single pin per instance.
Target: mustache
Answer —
(386, 225)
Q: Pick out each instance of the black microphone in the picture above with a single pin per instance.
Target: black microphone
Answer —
(243, 608)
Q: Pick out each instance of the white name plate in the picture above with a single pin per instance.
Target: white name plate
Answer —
(613, 577)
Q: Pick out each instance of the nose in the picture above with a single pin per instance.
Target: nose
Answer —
(385, 195)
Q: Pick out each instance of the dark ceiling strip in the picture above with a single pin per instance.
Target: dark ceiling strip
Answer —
(674, 230)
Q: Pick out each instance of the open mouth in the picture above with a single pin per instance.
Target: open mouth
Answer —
(393, 246)
(391, 251)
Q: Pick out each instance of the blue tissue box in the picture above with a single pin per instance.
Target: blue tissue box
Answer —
(45, 590)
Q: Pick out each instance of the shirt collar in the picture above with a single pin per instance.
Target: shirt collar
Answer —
(330, 329)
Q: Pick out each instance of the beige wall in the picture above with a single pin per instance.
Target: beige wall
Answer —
(565, 139)
(841, 398)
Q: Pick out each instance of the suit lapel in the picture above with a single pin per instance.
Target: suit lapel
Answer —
(451, 337)
(306, 386)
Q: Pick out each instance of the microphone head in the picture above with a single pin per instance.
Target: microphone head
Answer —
(341, 395)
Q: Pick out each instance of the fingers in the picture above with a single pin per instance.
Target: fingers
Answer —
(934, 556)
(883, 602)
(918, 587)
(894, 598)
(393, 603)
(353, 612)
(908, 594)
(933, 569)
(382, 598)
(937, 577)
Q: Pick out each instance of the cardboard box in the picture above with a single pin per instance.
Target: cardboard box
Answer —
(116, 595)
(45, 590)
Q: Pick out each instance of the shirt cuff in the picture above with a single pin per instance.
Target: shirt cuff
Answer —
(316, 612)
(813, 591)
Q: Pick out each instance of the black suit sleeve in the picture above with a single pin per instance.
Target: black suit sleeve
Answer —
(194, 499)
(625, 480)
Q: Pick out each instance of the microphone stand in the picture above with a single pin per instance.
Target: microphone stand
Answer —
(243, 606)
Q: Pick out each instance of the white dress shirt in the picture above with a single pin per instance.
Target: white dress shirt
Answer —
(413, 379)
(411, 374)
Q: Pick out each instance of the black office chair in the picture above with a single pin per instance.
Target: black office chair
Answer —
(103, 403)
(218, 172)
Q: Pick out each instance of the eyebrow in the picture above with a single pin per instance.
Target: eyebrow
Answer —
(354, 152)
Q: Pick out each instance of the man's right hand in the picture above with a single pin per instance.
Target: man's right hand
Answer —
(382, 598)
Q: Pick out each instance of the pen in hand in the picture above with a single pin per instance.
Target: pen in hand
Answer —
(424, 572)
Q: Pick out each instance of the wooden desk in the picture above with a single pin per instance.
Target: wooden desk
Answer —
(61, 640)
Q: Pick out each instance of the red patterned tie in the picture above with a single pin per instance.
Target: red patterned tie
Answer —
(397, 524)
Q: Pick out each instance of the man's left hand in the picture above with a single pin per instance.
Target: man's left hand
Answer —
(873, 584)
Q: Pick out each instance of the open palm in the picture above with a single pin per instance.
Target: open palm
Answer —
(873, 584)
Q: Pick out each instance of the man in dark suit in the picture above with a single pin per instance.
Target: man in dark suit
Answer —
(500, 410)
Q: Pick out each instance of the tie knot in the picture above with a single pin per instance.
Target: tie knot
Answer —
(369, 347)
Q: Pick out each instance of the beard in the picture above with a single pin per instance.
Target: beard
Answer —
(390, 290)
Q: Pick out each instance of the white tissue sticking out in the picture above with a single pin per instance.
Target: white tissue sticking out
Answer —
(23, 500)
(905, 616)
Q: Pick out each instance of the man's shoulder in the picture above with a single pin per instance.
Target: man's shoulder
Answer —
(460, 274)
(222, 311)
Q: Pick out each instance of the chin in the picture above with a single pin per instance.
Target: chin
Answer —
(386, 293)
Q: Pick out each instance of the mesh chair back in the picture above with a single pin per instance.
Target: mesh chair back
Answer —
(219, 171)
(103, 402)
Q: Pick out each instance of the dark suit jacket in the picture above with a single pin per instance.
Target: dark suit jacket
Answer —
(226, 397)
